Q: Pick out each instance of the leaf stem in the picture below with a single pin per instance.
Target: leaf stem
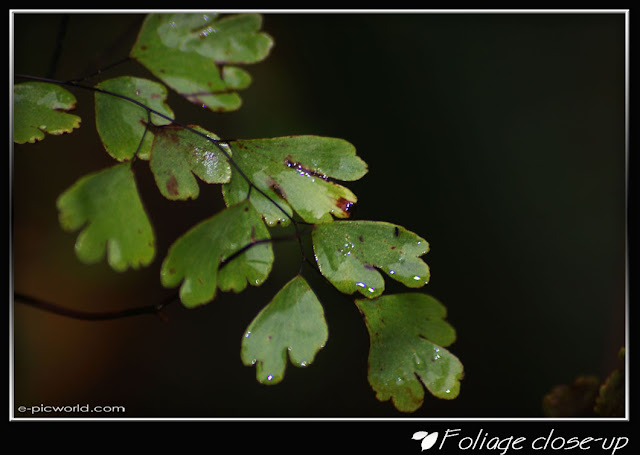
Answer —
(96, 316)
(62, 31)
(253, 243)
(137, 311)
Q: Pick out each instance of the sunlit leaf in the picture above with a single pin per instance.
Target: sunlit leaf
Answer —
(190, 53)
(178, 153)
(292, 323)
(351, 253)
(122, 123)
(107, 206)
(408, 336)
(195, 259)
(40, 107)
(296, 172)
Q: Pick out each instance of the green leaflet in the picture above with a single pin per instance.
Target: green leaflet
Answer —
(350, 253)
(178, 153)
(294, 171)
(196, 257)
(185, 51)
(39, 107)
(121, 123)
(293, 322)
(408, 336)
(107, 204)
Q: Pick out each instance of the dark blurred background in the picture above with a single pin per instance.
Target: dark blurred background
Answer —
(500, 138)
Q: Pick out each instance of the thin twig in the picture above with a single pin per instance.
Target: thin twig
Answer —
(96, 316)
(62, 31)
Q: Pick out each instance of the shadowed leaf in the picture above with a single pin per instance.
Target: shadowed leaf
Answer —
(39, 107)
(610, 401)
(107, 204)
(121, 123)
(408, 336)
(574, 400)
(196, 257)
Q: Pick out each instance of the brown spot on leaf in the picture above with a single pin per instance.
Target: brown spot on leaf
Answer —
(172, 186)
(144, 47)
(277, 188)
(361, 239)
(345, 205)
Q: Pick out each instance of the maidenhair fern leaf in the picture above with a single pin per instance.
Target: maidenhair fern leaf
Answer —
(292, 325)
(122, 123)
(195, 258)
(178, 153)
(408, 336)
(106, 203)
(39, 107)
(295, 172)
(351, 253)
(193, 54)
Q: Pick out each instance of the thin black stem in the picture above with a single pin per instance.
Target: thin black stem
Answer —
(62, 31)
(146, 128)
(96, 316)
(101, 70)
(253, 243)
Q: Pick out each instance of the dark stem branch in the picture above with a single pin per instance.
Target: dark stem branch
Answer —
(62, 31)
(138, 311)
(96, 316)
(101, 70)
(234, 255)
